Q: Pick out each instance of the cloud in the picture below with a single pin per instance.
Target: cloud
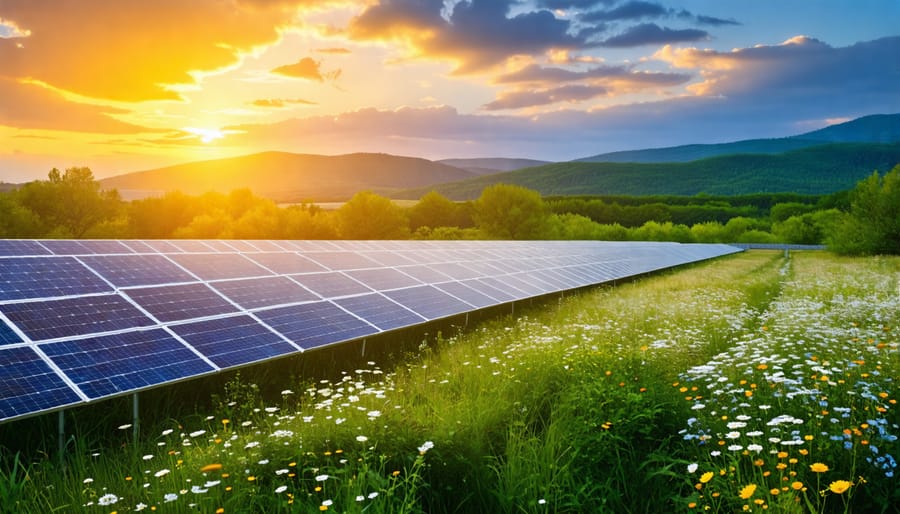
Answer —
(567, 93)
(476, 34)
(572, 4)
(333, 51)
(710, 20)
(132, 50)
(279, 103)
(653, 34)
(308, 69)
(31, 106)
(635, 9)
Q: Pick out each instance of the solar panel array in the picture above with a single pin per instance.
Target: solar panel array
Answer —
(85, 320)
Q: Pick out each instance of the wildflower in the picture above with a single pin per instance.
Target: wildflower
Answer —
(140, 506)
(747, 491)
(373, 495)
(321, 478)
(425, 447)
(362, 438)
(88, 480)
(818, 467)
(197, 433)
(280, 489)
(109, 499)
(360, 498)
(161, 473)
(839, 486)
(797, 486)
(706, 477)
(692, 467)
(170, 497)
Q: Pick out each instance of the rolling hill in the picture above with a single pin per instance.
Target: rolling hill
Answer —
(489, 165)
(291, 177)
(814, 170)
(877, 128)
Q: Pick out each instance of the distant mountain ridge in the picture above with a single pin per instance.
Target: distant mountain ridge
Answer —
(290, 177)
(876, 128)
(489, 165)
(813, 170)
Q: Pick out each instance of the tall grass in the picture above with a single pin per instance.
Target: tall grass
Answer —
(588, 404)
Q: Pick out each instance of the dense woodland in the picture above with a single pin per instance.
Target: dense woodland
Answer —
(71, 204)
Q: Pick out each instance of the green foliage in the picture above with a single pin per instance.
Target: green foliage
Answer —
(511, 212)
(434, 210)
(873, 224)
(370, 216)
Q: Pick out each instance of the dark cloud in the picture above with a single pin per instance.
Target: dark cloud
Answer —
(634, 9)
(572, 4)
(477, 34)
(306, 68)
(709, 20)
(653, 34)
(278, 103)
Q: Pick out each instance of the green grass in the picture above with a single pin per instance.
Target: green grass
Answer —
(611, 400)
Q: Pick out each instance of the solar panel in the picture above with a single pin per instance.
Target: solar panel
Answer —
(22, 278)
(52, 319)
(86, 320)
(119, 363)
(234, 341)
(180, 302)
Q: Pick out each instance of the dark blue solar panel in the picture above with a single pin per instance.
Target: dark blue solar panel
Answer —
(21, 248)
(383, 278)
(488, 269)
(315, 324)
(172, 303)
(286, 263)
(501, 296)
(7, 335)
(467, 294)
(342, 260)
(234, 341)
(530, 285)
(380, 311)
(22, 278)
(163, 246)
(28, 384)
(331, 285)
(504, 285)
(428, 301)
(386, 258)
(118, 363)
(264, 292)
(68, 317)
(217, 266)
(137, 270)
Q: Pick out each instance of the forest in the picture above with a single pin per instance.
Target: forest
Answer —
(71, 204)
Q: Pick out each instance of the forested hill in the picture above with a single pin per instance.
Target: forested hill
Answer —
(876, 128)
(815, 170)
(286, 176)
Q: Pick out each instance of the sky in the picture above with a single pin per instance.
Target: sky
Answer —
(129, 85)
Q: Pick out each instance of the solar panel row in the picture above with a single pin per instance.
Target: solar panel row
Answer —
(86, 320)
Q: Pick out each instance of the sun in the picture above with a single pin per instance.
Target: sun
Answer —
(206, 135)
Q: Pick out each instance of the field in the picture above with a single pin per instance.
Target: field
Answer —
(753, 382)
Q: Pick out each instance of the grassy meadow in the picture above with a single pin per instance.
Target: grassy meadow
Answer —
(753, 382)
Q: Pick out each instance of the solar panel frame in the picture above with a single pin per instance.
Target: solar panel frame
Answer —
(137, 270)
(29, 385)
(26, 278)
(234, 340)
(314, 325)
(180, 301)
(254, 293)
(68, 317)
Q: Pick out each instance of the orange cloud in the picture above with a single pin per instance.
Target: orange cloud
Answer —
(306, 68)
(279, 103)
(132, 50)
(32, 106)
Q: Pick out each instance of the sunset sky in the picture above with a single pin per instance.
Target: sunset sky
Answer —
(127, 85)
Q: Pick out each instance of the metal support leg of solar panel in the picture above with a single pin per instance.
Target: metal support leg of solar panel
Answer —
(87, 320)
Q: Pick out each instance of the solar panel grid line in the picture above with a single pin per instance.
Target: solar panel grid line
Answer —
(59, 372)
(30, 386)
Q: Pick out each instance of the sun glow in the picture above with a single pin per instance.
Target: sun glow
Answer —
(206, 135)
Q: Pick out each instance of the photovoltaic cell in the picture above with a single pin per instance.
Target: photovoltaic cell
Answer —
(66, 247)
(315, 324)
(233, 341)
(380, 311)
(108, 247)
(218, 266)
(264, 292)
(331, 285)
(337, 261)
(467, 294)
(7, 335)
(137, 270)
(51, 319)
(22, 278)
(455, 270)
(108, 365)
(383, 278)
(389, 258)
(163, 246)
(428, 301)
(180, 302)
(424, 274)
(28, 384)
(139, 246)
(14, 247)
(192, 246)
(286, 263)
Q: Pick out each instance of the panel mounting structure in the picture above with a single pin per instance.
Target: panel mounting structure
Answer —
(81, 321)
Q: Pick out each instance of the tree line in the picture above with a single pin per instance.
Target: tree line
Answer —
(71, 204)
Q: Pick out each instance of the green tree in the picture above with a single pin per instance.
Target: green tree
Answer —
(434, 210)
(69, 203)
(370, 216)
(872, 226)
(506, 211)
